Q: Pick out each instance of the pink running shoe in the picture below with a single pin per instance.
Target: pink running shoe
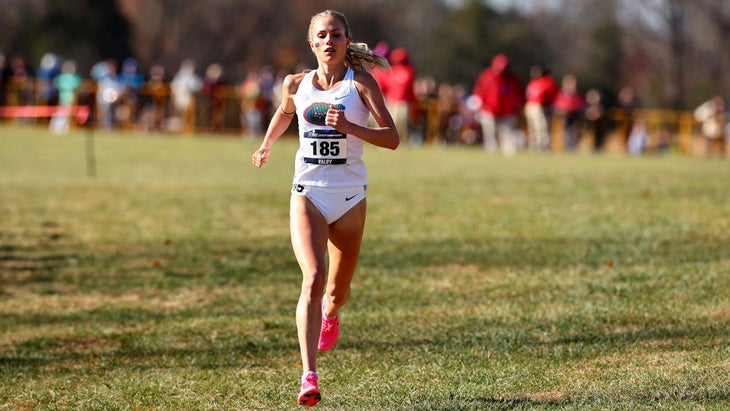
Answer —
(330, 330)
(309, 394)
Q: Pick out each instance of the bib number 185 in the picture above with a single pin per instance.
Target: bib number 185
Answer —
(325, 147)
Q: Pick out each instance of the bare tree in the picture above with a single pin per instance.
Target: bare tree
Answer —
(668, 50)
(679, 44)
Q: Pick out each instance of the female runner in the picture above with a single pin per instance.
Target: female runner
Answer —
(327, 210)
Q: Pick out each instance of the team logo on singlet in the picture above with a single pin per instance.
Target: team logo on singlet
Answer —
(317, 112)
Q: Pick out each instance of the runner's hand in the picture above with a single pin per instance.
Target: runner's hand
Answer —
(260, 157)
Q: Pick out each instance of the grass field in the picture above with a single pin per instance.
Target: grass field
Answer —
(167, 282)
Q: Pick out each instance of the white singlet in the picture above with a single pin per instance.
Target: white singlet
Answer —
(326, 157)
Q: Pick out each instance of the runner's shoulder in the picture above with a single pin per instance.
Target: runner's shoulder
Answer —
(292, 81)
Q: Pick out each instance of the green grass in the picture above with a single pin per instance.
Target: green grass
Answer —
(536, 282)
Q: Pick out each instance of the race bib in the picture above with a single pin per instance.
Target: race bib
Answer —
(325, 147)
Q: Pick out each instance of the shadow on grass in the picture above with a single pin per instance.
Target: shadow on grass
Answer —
(521, 402)
(492, 403)
(25, 265)
(552, 252)
(151, 348)
(164, 266)
(554, 400)
(592, 340)
(271, 261)
(177, 265)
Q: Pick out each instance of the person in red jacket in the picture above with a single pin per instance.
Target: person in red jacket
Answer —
(501, 95)
(569, 104)
(397, 87)
(539, 95)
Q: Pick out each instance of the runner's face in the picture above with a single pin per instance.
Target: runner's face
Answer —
(329, 39)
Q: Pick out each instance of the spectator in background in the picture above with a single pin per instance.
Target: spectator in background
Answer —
(49, 68)
(20, 86)
(426, 90)
(252, 104)
(397, 86)
(501, 95)
(461, 124)
(66, 84)
(628, 103)
(638, 138)
(569, 105)
(381, 49)
(277, 92)
(5, 74)
(155, 99)
(108, 92)
(449, 115)
(596, 119)
(539, 95)
(471, 132)
(267, 81)
(130, 82)
(214, 101)
(711, 116)
(184, 86)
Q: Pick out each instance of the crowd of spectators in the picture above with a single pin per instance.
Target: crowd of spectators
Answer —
(497, 111)
(550, 114)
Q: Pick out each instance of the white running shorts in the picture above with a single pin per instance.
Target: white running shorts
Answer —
(332, 202)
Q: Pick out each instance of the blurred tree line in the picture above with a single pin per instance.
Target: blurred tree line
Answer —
(669, 51)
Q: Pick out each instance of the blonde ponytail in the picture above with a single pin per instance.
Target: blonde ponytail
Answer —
(359, 57)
